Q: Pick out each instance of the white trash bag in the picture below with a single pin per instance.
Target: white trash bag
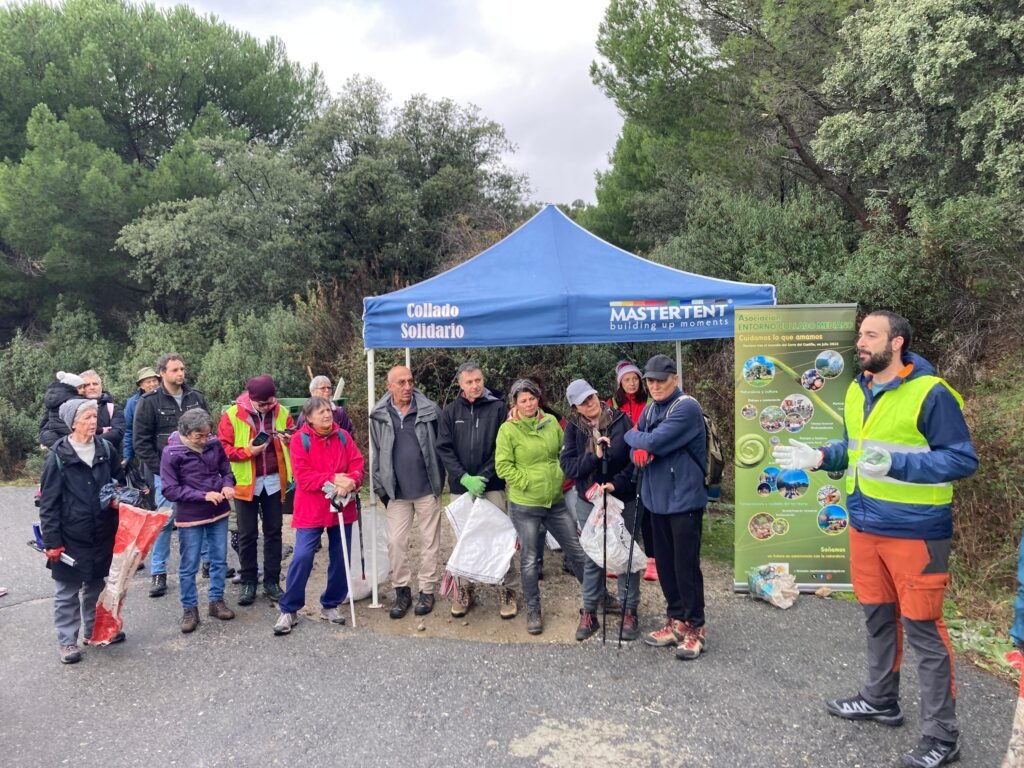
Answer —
(591, 539)
(486, 541)
(363, 588)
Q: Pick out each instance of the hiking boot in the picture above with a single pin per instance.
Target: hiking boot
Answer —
(425, 604)
(158, 585)
(651, 572)
(462, 600)
(284, 623)
(189, 620)
(630, 626)
(670, 634)
(332, 615)
(692, 644)
(206, 570)
(70, 654)
(588, 625)
(507, 608)
(534, 622)
(610, 603)
(858, 708)
(247, 595)
(931, 753)
(218, 609)
(403, 601)
(273, 590)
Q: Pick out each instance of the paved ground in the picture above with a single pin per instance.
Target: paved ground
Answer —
(233, 694)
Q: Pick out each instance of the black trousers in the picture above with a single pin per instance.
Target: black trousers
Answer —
(677, 550)
(267, 506)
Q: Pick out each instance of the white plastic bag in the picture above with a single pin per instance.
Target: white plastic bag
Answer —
(591, 539)
(363, 588)
(458, 512)
(486, 543)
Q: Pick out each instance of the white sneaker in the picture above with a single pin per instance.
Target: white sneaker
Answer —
(332, 615)
(285, 622)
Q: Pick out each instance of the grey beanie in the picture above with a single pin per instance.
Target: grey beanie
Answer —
(72, 409)
(70, 378)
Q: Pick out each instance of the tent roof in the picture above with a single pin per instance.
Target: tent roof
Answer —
(553, 282)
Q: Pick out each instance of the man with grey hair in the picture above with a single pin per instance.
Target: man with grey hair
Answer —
(408, 477)
(111, 423)
(320, 386)
(466, 440)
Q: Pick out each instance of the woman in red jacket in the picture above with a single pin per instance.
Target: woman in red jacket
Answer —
(320, 453)
(631, 397)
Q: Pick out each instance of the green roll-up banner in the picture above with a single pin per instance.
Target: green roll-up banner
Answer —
(793, 366)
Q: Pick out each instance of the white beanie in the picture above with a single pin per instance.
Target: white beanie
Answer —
(70, 378)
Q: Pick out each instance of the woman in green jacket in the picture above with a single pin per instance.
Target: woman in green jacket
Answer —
(526, 458)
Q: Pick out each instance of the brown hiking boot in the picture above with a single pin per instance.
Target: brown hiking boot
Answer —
(507, 604)
(692, 644)
(189, 620)
(463, 599)
(219, 610)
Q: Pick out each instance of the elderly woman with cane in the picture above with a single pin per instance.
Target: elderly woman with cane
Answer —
(328, 469)
(595, 452)
(526, 458)
(74, 523)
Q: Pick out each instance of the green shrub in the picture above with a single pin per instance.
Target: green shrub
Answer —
(18, 436)
(151, 337)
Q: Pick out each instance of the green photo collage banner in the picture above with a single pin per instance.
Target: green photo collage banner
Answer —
(793, 366)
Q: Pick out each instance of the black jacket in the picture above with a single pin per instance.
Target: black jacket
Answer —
(585, 468)
(466, 437)
(110, 423)
(70, 514)
(52, 427)
(156, 418)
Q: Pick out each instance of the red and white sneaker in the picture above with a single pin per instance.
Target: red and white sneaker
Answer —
(670, 634)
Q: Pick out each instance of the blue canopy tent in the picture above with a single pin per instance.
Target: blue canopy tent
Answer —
(552, 282)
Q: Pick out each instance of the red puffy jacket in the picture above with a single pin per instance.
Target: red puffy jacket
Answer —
(316, 459)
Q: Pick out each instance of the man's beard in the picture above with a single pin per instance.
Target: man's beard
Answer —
(878, 361)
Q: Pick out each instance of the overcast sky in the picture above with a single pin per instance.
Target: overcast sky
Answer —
(525, 63)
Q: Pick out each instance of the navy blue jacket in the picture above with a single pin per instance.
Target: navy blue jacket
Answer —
(674, 481)
(585, 468)
(951, 457)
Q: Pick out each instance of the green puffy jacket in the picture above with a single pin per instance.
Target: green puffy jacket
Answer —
(526, 458)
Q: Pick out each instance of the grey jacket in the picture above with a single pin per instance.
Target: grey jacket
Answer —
(382, 437)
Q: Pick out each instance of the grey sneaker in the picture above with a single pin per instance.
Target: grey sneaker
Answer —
(285, 622)
(858, 708)
(70, 654)
(931, 753)
(332, 615)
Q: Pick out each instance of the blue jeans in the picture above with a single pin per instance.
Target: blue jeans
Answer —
(562, 525)
(161, 552)
(191, 540)
(594, 574)
(336, 590)
(1017, 630)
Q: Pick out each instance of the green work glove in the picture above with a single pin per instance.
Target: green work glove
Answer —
(474, 484)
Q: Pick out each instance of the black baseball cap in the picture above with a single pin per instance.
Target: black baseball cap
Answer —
(660, 367)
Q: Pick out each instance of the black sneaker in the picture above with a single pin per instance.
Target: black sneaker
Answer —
(858, 708)
(247, 594)
(931, 753)
(425, 604)
(403, 601)
(273, 590)
(206, 571)
(158, 585)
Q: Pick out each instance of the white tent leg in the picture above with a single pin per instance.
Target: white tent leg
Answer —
(371, 398)
(408, 358)
(679, 357)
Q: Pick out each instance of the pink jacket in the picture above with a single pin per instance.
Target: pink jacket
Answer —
(316, 465)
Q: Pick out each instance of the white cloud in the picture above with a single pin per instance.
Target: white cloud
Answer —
(525, 64)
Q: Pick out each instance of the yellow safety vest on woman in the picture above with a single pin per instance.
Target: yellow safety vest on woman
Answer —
(892, 425)
(244, 430)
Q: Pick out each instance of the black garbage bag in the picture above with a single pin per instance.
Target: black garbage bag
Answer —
(136, 476)
(114, 492)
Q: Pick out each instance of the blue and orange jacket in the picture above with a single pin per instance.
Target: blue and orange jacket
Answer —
(951, 457)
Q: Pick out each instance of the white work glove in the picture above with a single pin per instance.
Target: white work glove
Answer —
(876, 462)
(797, 455)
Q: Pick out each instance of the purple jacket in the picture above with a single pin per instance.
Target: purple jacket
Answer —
(188, 476)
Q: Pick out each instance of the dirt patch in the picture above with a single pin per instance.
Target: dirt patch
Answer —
(560, 604)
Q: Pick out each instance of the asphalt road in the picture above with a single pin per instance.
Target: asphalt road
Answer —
(233, 694)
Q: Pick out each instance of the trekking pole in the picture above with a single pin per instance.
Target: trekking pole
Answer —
(348, 576)
(638, 515)
(362, 549)
(604, 545)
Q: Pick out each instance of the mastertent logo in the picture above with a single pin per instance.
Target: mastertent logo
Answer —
(668, 314)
